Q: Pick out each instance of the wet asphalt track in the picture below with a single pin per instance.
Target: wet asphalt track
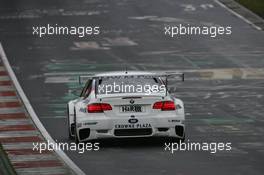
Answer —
(226, 108)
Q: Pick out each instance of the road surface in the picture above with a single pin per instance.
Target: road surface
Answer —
(223, 91)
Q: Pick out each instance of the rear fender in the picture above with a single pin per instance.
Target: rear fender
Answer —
(71, 106)
(179, 106)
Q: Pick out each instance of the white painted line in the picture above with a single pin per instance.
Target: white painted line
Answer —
(11, 110)
(238, 15)
(4, 78)
(34, 116)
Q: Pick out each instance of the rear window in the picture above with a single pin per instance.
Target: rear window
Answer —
(130, 85)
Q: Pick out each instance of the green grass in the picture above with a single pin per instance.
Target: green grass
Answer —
(257, 6)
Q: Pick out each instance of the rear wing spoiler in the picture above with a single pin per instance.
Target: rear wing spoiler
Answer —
(166, 75)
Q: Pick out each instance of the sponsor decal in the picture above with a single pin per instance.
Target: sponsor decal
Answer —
(131, 108)
(173, 120)
(84, 110)
(133, 126)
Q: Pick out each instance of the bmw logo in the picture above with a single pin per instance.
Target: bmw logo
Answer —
(132, 101)
(133, 120)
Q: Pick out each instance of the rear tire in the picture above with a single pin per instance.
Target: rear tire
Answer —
(76, 139)
(70, 136)
(69, 125)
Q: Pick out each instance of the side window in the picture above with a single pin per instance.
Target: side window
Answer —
(87, 89)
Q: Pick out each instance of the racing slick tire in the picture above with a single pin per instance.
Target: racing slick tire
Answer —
(69, 125)
(76, 139)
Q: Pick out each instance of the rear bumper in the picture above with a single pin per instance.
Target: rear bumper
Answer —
(121, 128)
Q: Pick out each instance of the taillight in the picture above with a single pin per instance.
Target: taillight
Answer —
(168, 106)
(98, 107)
(158, 105)
(164, 105)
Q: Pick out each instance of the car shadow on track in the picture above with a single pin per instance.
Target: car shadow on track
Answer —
(134, 142)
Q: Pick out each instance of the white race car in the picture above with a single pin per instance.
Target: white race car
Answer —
(126, 104)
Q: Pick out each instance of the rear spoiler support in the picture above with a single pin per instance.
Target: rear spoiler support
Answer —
(172, 74)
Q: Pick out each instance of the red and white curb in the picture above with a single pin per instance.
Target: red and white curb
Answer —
(20, 128)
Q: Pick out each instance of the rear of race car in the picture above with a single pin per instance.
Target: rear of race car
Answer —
(123, 115)
(130, 117)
